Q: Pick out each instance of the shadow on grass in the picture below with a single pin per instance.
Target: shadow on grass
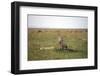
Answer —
(71, 50)
(66, 50)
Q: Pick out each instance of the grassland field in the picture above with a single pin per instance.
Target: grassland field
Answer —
(75, 39)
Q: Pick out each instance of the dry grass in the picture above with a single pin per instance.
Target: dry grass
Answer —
(76, 40)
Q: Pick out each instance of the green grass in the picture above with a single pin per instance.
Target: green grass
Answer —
(76, 40)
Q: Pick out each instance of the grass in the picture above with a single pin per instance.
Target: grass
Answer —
(76, 40)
